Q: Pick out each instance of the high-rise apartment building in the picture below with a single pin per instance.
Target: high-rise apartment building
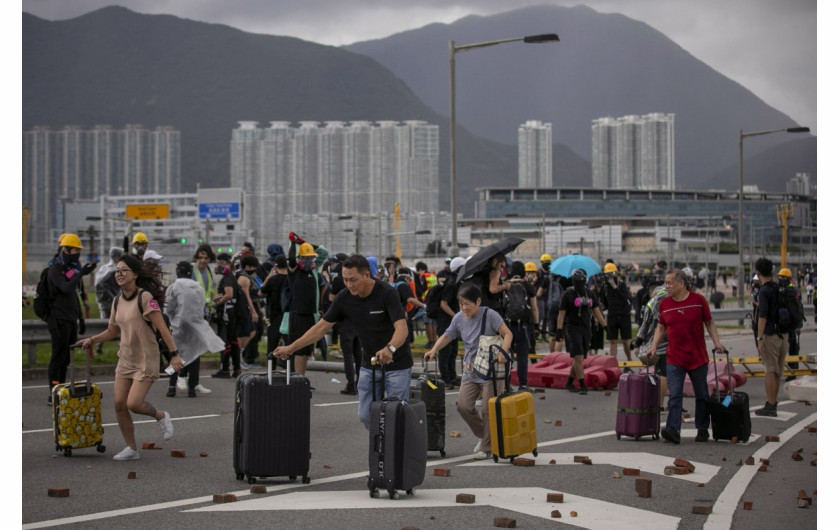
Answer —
(535, 155)
(76, 163)
(335, 167)
(633, 152)
(800, 184)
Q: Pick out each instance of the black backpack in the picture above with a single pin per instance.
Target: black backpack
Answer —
(555, 293)
(516, 304)
(433, 301)
(43, 299)
(789, 315)
(162, 347)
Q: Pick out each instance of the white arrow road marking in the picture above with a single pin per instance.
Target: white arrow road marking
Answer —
(592, 513)
(649, 463)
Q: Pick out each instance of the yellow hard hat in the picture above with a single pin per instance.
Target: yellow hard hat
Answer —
(610, 267)
(785, 272)
(70, 240)
(545, 257)
(530, 267)
(306, 250)
(140, 237)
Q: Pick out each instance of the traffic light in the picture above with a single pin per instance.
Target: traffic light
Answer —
(183, 240)
(200, 241)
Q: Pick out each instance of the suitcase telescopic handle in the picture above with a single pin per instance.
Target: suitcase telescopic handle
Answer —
(493, 367)
(288, 372)
(728, 371)
(374, 364)
(88, 356)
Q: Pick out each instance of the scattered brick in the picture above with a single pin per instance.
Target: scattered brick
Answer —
(740, 462)
(815, 493)
(539, 390)
(702, 508)
(327, 466)
(149, 445)
(747, 505)
(552, 461)
(807, 403)
(804, 503)
(812, 429)
(558, 423)
(442, 472)
(750, 461)
(203, 454)
(814, 462)
(587, 461)
(764, 461)
(771, 438)
(58, 492)
(762, 467)
(573, 514)
(580, 458)
(687, 415)
(409, 528)
(797, 457)
(798, 450)
(178, 453)
(220, 498)
(701, 484)
(524, 462)
(678, 470)
(644, 487)
(258, 488)
(542, 397)
(554, 497)
(681, 462)
(724, 459)
(669, 471)
(465, 498)
(607, 393)
(631, 471)
(454, 434)
(575, 408)
(504, 522)
(556, 514)
(132, 475)
(733, 440)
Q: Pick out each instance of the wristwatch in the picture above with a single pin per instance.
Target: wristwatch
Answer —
(392, 348)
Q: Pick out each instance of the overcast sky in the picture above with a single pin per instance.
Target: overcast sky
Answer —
(768, 46)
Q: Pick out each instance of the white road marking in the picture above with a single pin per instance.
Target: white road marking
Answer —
(136, 422)
(729, 499)
(592, 513)
(649, 463)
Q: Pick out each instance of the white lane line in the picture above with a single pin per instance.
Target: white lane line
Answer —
(592, 513)
(648, 463)
(136, 422)
(729, 499)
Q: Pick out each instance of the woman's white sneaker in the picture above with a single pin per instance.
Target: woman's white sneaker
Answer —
(127, 454)
(166, 426)
(202, 390)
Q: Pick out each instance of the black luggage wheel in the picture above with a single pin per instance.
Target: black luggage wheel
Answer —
(374, 494)
(100, 448)
(410, 491)
(535, 452)
(240, 476)
(496, 458)
(618, 436)
(68, 452)
(394, 495)
(656, 436)
(252, 480)
(305, 480)
(293, 477)
(442, 453)
(637, 438)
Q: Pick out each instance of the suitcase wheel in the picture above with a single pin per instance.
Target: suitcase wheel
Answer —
(655, 436)
(100, 448)
(68, 452)
(240, 476)
(410, 491)
(535, 452)
(618, 436)
(252, 480)
(293, 477)
(374, 494)
(496, 458)
(442, 453)
(394, 495)
(637, 437)
(305, 480)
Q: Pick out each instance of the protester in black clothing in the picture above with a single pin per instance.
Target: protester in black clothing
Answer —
(246, 278)
(574, 325)
(448, 355)
(63, 279)
(617, 299)
(523, 321)
(272, 290)
(232, 308)
(304, 280)
(351, 347)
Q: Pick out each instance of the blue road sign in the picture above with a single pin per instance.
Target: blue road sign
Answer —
(218, 210)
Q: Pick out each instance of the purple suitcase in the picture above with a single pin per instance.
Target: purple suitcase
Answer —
(638, 406)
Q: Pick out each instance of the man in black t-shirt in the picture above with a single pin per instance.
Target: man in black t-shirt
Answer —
(231, 308)
(374, 306)
(272, 290)
(574, 325)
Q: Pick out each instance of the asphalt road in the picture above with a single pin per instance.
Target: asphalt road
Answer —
(178, 492)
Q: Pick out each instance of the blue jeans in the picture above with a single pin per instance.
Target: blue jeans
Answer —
(397, 384)
(676, 380)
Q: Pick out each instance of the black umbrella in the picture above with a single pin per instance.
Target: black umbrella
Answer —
(484, 254)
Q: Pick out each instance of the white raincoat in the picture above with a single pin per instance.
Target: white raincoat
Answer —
(185, 307)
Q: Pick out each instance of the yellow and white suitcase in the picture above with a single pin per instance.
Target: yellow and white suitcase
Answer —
(77, 412)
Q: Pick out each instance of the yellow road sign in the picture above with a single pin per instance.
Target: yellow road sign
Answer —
(147, 211)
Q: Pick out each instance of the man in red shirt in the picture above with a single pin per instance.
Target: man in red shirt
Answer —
(682, 315)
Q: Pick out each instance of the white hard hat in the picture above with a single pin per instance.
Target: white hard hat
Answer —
(456, 263)
(688, 272)
(151, 254)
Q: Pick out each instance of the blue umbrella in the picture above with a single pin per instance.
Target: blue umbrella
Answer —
(563, 266)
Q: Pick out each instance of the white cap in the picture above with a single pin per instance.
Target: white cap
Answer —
(456, 263)
(151, 254)
(688, 272)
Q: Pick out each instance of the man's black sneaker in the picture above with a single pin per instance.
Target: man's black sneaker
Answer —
(170, 392)
(221, 374)
(671, 435)
(191, 392)
(767, 410)
(582, 392)
(702, 436)
(349, 391)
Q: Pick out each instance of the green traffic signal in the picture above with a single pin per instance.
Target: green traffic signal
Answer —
(183, 240)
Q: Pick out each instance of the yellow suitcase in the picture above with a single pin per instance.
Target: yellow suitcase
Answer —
(513, 428)
(77, 413)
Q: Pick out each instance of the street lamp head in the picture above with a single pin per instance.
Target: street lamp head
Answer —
(546, 37)
(798, 130)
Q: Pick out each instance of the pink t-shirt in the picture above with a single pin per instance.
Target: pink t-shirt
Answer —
(684, 324)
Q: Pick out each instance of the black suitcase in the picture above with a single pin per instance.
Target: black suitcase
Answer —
(397, 455)
(271, 427)
(431, 391)
(730, 411)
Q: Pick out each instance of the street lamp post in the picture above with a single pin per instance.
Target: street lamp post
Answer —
(741, 136)
(453, 49)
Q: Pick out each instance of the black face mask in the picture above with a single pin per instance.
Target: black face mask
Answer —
(545, 266)
(71, 259)
(219, 269)
(580, 285)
